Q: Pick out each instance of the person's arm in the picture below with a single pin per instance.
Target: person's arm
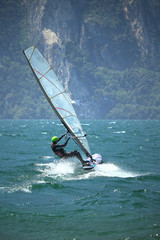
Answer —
(66, 141)
(61, 137)
(63, 145)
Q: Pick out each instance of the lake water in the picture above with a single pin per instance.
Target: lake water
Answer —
(46, 198)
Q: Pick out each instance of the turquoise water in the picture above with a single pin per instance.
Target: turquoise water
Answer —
(42, 197)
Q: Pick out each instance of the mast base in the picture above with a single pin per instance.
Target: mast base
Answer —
(96, 160)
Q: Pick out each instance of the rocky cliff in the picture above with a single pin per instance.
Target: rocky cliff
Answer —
(79, 36)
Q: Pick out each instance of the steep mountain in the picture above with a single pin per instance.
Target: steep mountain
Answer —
(106, 53)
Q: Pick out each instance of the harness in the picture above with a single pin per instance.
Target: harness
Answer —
(59, 151)
(59, 154)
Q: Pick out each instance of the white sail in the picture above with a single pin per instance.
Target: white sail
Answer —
(56, 96)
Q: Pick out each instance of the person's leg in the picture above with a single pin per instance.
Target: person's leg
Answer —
(76, 154)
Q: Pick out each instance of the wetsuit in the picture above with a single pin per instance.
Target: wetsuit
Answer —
(60, 152)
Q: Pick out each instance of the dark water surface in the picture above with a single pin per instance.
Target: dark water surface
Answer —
(44, 198)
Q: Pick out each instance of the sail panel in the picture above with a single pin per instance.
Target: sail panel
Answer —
(48, 87)
(41, 65)
(50, 80)
(62, 106)
(56, 96)
(29, 52)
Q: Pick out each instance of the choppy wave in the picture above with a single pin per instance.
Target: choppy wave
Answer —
(116, 200)
(46, 184)
(52, 174)
(16, 188)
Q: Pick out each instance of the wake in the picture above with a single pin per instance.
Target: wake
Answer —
(70, 169)
(111, 170)
(61, 169)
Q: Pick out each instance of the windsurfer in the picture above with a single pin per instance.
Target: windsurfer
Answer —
(58, 149)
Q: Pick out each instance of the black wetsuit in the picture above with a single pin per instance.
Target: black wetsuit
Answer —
(60, 152)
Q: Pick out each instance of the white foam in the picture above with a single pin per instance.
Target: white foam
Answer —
(106, 170)
(47, 157)
(69, 170)
(120, 132)
(16, 189)
(111, 170)
(57, 169)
